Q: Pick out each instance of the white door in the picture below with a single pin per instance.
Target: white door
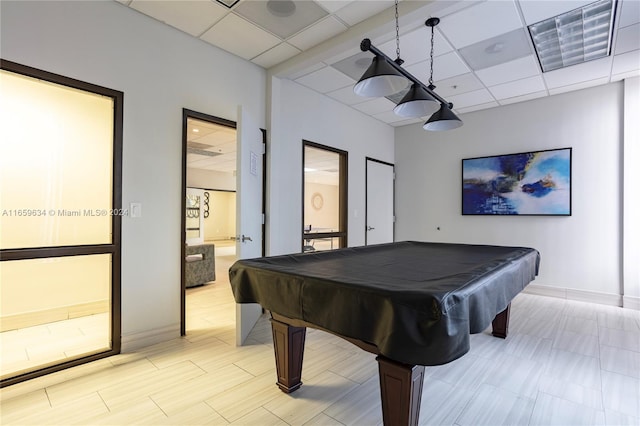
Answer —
(248, 209)
(380, 216)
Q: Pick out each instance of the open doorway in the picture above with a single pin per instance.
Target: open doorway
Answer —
(209, 221)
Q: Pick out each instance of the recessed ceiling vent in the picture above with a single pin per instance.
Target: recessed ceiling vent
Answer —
(578, 36)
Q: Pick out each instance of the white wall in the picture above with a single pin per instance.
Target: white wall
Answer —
(160, 70)
(299, 113)
(578, 252)
(631, 227)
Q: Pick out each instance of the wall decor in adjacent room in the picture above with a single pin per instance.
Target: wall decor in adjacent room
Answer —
(527, 183)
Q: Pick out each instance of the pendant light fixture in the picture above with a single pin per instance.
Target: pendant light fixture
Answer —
(385, 77)
(444, 118)
(381, 78)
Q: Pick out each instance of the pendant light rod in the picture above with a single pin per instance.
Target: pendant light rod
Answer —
(366, 46)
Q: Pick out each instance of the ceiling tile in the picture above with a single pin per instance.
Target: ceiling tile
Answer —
(445, 66)
(274, 56)
(354, 66)
(304, 71)
(476, 97)
(332, 6)
(497, 50)
(389, 117)
(578, 73)
(458, 85)
(274, 16)
(239, 37)
(415, 46)
(192, 17)
(579, 86)
(317, 33)
(477, 107)
(518, 87)
(360, 10)
(523, 98)
(510, 71)
(628, 39)
(347, 96)
(624, 75)
(626, 62)
(472, 24)
(407, 122)
(325, 80)
(376, 106)
(536, 10)
(630, 13)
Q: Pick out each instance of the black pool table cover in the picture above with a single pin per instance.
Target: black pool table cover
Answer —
(416, 302)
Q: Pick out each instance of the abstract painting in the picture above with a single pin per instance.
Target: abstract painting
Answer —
(528, 183)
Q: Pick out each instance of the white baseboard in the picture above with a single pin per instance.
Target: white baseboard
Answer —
(134, 341)
(573, 294)
(631, 302)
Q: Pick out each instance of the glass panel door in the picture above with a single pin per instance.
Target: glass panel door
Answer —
(60, 215)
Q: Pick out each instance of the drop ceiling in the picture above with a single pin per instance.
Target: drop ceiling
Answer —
(483, 53)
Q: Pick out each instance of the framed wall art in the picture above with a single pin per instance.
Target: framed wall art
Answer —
(527, 183)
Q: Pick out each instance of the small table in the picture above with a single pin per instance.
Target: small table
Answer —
(412, 304)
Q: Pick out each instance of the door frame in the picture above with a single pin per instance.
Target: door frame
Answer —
(186, 114)
(343, 196)
(366, 194)
(115, 248)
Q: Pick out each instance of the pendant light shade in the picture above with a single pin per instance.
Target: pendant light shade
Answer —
(417, 103)
(380, 79)
(444, 119)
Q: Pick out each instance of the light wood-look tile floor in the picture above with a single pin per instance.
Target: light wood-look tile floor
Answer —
(564, 363)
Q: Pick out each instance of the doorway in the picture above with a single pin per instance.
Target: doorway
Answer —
(60, 216)
(209, 217)
(324, 195)
(218, 160)
(380, 210)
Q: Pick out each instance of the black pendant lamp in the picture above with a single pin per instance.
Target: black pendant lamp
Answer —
(386, 77)
(380, 79)
(444, 119)
(417, 103)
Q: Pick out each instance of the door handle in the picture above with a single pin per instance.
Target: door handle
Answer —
(246, 238)
(370, 228)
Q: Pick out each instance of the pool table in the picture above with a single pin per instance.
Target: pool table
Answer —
(413, 304)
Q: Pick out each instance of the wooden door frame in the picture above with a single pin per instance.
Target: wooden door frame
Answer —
(114, 248)
(343, 195)
(186, 114)
(366, 194)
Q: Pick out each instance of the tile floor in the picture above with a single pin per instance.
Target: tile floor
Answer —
(564, 363)
(33, 347)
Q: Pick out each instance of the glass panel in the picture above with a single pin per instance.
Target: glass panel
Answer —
(321, 190)
(53, 310)
(56, 162)
(320, 244)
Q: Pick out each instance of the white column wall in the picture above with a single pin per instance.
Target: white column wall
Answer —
(631, 227)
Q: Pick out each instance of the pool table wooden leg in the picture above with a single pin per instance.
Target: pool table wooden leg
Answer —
(288, 345)
(500, 323)
(401, 391)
